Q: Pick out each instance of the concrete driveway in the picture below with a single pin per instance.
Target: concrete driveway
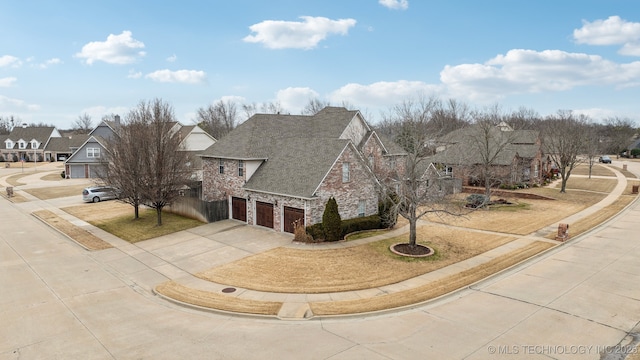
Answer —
(58, 301)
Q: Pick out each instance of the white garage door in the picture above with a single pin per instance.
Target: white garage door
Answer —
(77, 171)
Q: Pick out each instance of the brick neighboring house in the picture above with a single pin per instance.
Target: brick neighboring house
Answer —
(86, 161)
(27, 143)
(521, 160)
(277, 169)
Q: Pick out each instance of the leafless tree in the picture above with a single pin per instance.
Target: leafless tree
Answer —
(123, 162)
(564, 137)
(145, 158)
(83, 124)
(617, 134)
(273, 107)
(592, 146)
(218, 119)
(414, 190)
(6, 124)
(314, 106)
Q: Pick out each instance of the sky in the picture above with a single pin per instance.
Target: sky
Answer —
(62, 59)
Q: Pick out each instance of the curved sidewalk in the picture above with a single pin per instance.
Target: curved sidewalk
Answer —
(297, 306)
(143, 267)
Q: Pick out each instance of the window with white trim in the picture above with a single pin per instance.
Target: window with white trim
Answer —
(22, 145)
(93, 152)
(345, 172)
(240, 167)
(362, 205)
(8, 144)
(34, 144)
(221, 166)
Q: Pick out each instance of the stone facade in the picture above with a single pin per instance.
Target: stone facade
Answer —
(279, 202)
(217, 186)
(360, 187)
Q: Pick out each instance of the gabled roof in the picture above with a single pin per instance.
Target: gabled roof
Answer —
(299, 150)
(39, 133)
(297, 167)
(65, 144)
(95, 138)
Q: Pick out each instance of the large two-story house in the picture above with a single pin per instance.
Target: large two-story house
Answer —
(27, 143)
(275, 170)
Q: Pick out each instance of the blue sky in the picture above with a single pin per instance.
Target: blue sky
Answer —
(61, 59)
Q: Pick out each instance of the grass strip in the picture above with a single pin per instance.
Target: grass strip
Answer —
(77, 234)
(208, 299)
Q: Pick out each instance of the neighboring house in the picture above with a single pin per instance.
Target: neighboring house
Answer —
(27, 143)
(277, 169)
(61, 148)
(86, 161)
(520, 160)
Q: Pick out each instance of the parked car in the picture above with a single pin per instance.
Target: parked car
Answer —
(605, 159)
(99, 193)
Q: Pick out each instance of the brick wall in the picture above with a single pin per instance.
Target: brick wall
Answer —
(216, 186)
(361, 186)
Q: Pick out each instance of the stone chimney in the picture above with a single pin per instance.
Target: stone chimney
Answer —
(116, 119)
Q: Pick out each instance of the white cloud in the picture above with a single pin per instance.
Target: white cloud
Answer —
(395, 4)
(381, 94)
(179, 76)
(612, 31)
(8, 60)
(134, 74)
(14, 105)
(118, 49)
(529, 71)
(306, 34)
(7, 82)
(172, 58)
(47, 63)
(294, 99)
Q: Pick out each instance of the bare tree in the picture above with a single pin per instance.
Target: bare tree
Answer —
(564, 136)
(145, 158)
(123, 161)
(413, 190)
(6, 124)
(617, 134)
(218, 119)
(592, 147)
(83, 124)
(314, 106)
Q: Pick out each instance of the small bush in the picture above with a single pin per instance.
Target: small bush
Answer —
(316, 231)
(476, 200)
(388, 217)
(300, 234)
(63, 174)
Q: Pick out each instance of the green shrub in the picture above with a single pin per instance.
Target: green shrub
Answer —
(331, 221)
(63, 174)
(635, 152)
(316, 231)
(361, 223)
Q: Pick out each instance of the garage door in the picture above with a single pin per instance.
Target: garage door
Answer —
(264, 214)
(76, 171)
(291, 215)
(95, 171)
(239, 209)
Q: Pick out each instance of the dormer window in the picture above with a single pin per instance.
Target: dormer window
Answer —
(22, 144)
(34, 144)
(8, 144)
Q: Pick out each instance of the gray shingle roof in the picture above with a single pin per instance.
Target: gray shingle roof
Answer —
(40, 133)
(299, 149)
(64, 144)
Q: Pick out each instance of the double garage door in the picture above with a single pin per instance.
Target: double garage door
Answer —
(265, 214)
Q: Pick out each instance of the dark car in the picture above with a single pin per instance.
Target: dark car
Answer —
(605, 159)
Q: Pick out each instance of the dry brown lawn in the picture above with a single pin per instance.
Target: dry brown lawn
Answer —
(91, 212)
(56, 192)
(77, 234)
(593, 184)
(212, 300)
(431, 290)
(355, 268)
(52, 177)
(597, 170)
(16, 198)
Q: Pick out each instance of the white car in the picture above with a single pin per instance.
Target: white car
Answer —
(99, 193)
